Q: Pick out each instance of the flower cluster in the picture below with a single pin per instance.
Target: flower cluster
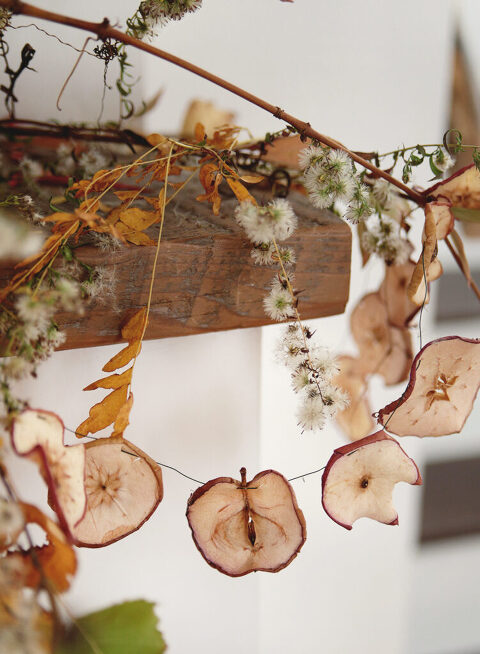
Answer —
(382, 236)
(329, 177)
(17, 240)
(312, 369)
(5, 15)
(152, 14)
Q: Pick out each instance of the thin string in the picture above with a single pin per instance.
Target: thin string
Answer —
(164, 465)
(53, 36)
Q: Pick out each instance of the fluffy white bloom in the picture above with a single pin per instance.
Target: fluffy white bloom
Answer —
(334, 399)
(311, 154)
(34, 314)
(17, 367)
(383, 238)
(301, 379)
(65, 163)
(263, 254)
(30, 168)
(69, 290)
(311, 413)
(329, 179)
(383, 192)
(92, 160)
(17, 240)
(442, 160)
(358, 208)
(278, 303)
(322, 361)
(276, 220)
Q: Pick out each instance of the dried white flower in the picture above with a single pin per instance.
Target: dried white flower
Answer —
(310, 155)
(65, 164)
(383, 238)
(311, 414)
(322, 361)
(92, 160)
(16, 367)
(276, 220)
(301, 380)
(17, 240)
(278, 303)
(31, 169)
(334, 399)
(442, 160)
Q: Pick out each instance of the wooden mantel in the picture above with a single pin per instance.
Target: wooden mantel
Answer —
(206, 279)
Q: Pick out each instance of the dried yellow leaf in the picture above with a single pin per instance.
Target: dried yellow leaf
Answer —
(112, 381)
(105, 412)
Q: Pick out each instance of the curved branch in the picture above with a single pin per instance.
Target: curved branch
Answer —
(104, 31)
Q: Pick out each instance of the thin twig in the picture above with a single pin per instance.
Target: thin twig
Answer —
(104, 31)
(470, 281)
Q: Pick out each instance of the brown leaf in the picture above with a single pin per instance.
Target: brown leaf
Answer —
(123, 417)
(139, 238)
(122, 358)
(104, 413)
(138, 219)
(133, 328)
(426, 256)
(56, 560)
(240, 191)
(112, 381)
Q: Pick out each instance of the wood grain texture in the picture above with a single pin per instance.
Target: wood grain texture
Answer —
(206, 279)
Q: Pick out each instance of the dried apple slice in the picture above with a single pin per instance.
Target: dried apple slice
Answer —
(384, 350)
(241, 527)
(393, 293)
(38, 435)
(462, 188)
(359, 478)
(356, 419)
(439, 397)
(124, 487)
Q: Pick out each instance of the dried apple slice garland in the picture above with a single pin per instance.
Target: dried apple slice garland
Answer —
(124, 487)
(444, 381)
(359, 478)
(241, 527)
(39, 436)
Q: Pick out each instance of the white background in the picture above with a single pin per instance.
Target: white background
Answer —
(373, 74)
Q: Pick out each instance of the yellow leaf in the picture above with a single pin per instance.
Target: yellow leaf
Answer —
(105, 412)
(139, 238)
(123, 418)
(156, 139)
(112, 381)
(138, 219)
(126, 195)
(133, 328)
(252, 179)
(122, 358)
(240, 191)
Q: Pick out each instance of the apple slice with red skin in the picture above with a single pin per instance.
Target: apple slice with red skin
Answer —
(38, 435)
(462, 189)
(123, 486)
(444, 381)
(241, 527)
(359, 478)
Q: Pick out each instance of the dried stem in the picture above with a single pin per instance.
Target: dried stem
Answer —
(104, 31)
(470, 281)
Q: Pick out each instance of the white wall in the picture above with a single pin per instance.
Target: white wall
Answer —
(374, 75)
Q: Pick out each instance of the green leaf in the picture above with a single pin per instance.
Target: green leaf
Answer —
(436, 171)
(128, 628)
(466, 215)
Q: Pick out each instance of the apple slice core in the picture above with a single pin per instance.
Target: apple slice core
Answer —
(241, 527)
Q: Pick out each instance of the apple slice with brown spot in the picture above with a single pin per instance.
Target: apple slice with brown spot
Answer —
(38, 435)
(124, 487)
(241, 527)
(444, 381)
(359, 478)
(356, 419)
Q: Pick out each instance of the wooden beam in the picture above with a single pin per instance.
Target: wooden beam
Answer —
(206, 279)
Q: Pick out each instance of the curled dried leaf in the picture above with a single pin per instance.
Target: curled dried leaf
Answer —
(241, 527)
(124, 487)
(444, 381)
(427, 255)
(56, 561)
(462, 189)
